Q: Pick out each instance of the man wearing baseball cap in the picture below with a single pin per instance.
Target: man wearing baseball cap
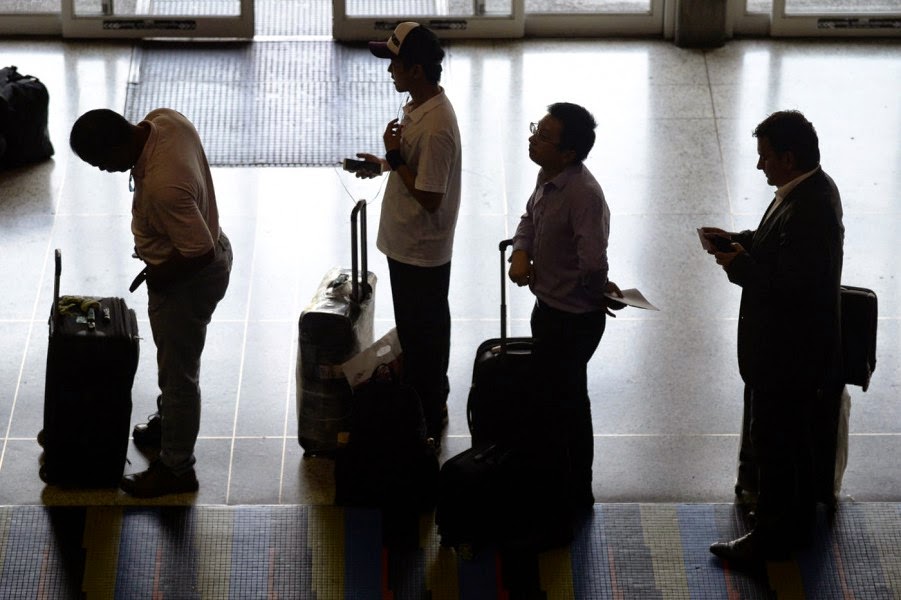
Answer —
(419, 212)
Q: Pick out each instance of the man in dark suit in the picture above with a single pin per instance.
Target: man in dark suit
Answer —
(789, 329)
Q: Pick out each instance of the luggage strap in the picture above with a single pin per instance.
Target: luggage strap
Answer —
(138, 280)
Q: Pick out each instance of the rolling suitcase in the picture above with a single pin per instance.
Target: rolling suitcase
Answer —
(504, 495)
(501, 379)
(508, 490)
(471, 495)
(92, 357)
(859, 321)
(335, 326)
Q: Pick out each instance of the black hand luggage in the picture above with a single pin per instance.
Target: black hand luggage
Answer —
(470, 497)
(505, 495)
(387, 462)
(335, 326)
(499, 403)
(92, 357)
(24, 104)
(510, 490)
(859, 321)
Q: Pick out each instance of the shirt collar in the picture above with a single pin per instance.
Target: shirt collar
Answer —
(564, 176)
(787, 189)
(415, 114)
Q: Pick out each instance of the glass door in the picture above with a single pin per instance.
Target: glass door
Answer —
(375, 19)
(858, 18)
(157, 18)
(594, 17)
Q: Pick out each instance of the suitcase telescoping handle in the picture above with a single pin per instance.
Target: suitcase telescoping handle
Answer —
(503, 248)
(359, 286)
(57, 273)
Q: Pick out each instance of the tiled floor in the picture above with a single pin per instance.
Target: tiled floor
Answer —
(675, 152)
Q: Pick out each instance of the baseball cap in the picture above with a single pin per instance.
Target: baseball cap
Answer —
(410, 41)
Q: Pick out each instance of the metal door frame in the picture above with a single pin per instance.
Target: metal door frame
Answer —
(739, 21)
(657, 21)
(30, 23)
(361, 28)
(777, 24)
(156, 26)
(518, 24)
(886, 24)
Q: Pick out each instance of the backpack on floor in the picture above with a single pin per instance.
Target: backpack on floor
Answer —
(24, 104)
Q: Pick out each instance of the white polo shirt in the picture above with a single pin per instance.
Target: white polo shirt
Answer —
(430, 145)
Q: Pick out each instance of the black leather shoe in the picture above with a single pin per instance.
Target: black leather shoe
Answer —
(149, 435)
(747, 550)
(159, 480)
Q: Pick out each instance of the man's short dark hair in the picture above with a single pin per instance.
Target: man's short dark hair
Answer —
(790, 131)
(422, 47)
(578, 128)
(98, 132)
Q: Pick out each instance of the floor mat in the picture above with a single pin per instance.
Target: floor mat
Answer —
(620, 551)
(282, 103)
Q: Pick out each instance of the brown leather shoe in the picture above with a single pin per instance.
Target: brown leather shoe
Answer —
(159, 480)
(748, 550)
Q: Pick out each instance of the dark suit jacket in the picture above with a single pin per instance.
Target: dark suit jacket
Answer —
(789, 328)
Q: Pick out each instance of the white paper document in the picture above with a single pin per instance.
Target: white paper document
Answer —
(632, 297)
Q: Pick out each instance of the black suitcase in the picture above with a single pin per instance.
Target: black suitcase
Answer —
(92, 357)
(387, 461)
(24, 104)
(507, 496)
(859, 322)
(499, 404)
(334, 327)
(510, 489)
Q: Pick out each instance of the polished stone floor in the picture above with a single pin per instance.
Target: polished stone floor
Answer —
(675, 152)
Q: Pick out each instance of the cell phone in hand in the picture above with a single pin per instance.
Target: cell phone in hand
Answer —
(354, 166)
(721, 244)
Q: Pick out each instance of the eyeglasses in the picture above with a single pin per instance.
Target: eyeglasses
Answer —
(533, 128)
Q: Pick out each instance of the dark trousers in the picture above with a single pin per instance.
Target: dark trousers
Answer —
(782, 437)
(830, 444)
(564, 342)
(178, 320)
(422, 318)
(747, 463)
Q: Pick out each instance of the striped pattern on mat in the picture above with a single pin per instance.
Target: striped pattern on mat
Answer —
(621, 551)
